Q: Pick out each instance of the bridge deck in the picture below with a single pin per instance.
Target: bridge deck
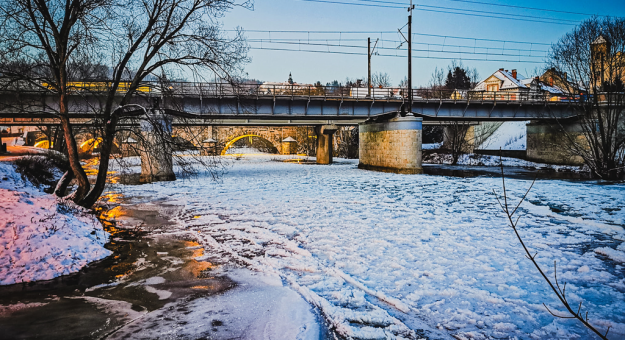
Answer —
(223, 104)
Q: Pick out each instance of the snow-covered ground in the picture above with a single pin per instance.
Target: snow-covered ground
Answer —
(509, 136)
(42, 237)
(398, 256)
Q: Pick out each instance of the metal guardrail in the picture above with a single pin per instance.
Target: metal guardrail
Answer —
(295, 90)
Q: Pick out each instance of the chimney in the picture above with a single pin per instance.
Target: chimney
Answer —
(501, 69)
(565, 76)
(514, 73)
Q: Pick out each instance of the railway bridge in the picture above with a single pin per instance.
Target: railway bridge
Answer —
(390, 136)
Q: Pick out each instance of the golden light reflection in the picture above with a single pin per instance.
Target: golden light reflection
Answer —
(195, 268)
(229, 144)
(44, 144)
(112, 197)
(113, 213)
(202, 287)
(88, 145)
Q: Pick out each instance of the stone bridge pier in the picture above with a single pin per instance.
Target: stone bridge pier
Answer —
(325, 143)
(156, 151)
(393, 145)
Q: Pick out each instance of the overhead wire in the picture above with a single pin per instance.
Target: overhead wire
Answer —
(468, 10)
(393, 55)
(414, 49)
(399, 41)
(490, 4)
(458, 11)
(376, 32)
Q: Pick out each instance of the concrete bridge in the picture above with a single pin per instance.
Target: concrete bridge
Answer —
(390, 137)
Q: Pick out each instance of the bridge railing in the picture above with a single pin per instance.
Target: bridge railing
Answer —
(346, 92)
(179, 88)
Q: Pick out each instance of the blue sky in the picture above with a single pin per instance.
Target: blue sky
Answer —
(307, 67)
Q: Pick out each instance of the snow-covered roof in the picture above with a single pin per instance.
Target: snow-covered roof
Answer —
(551, 89)
(130, 140)
(600, 40)
(544, 87)
(289, 139)
(510, 81)
(507, 81)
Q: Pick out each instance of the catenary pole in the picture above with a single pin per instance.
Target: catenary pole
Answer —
(369, 65)
(410, 57)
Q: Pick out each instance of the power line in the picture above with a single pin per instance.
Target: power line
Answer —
(351, 3)
(393, 32)
(523, 7)
(491, 4)
(395, 42)
(498, 13)
(469, 10)
(391, 55)
(388, 48)
(491, 16)
(448, 10)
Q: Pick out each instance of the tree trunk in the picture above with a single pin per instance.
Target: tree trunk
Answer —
(63, 183)
(72, 155)
(105, 153)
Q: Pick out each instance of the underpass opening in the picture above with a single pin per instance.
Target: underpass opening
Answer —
(92, 146)
(251, 141)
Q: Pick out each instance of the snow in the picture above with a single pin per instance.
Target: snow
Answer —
(42, 237)
(509, 136)
(431, 146)
(258, 307)
(384, 255)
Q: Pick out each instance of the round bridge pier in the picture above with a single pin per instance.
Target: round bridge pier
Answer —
(393, 145)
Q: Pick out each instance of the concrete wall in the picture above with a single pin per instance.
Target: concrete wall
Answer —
(547, 143)
(394, 145)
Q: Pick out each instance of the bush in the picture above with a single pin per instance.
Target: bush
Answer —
(44, 170)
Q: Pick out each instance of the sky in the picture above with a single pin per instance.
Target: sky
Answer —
(511, 44)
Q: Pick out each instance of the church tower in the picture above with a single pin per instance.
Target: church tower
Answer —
(599, 55)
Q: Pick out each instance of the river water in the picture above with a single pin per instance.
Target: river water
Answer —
(338, 251)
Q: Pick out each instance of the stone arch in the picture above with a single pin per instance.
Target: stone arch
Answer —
(272, 134)
(90, 145)
(235, 139)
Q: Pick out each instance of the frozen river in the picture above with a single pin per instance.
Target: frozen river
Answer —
(406, 256)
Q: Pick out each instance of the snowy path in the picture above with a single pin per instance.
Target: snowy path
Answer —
(385, 255)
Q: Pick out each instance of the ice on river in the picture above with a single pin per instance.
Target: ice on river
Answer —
(401, 256)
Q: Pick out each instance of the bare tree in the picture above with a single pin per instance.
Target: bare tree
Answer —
(143, 39)
(589, 64)
(40, 40)
(381, 79)
(558, 289)
(455, 140)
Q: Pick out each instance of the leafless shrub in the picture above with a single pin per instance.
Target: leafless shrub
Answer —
(558, 289)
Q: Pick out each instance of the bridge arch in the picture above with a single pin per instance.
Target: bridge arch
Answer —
(248, 135)
(91, 145)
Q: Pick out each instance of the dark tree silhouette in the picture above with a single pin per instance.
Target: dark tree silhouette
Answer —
(143, 39)
(589, 63)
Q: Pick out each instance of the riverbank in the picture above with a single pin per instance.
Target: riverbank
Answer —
(153, 278)
(41, 236)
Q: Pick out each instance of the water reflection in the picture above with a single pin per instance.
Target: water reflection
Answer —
(107, 294)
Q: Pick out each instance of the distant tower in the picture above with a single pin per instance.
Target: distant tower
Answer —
(599, 54)
(290, 79)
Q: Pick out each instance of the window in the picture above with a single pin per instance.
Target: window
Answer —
(492, 88)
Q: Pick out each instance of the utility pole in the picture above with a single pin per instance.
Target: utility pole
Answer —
(410, 57)
(369, 72)
(369, 54)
